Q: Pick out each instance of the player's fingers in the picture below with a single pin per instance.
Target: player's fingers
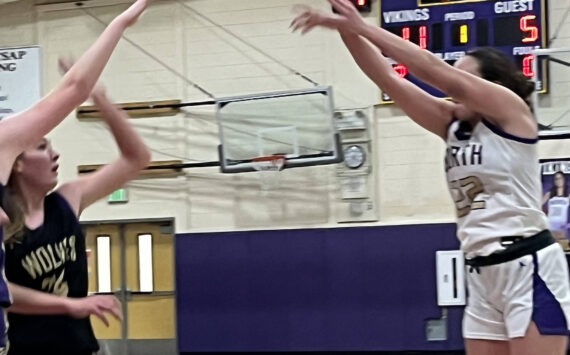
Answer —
(299, 18)
(308, 28)
(346, 4)
(116, 310)
(116, 314)
(342, 7)
(294, 22)
(299, 24)
(337, 6)
(99, 314)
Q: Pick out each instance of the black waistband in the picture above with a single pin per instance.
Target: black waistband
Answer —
(516, 247)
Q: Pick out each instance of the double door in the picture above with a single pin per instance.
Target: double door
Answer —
(135, 262)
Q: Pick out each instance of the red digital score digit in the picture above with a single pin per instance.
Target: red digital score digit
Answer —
(401, 69)
(406, 33)
(527, 65)
(423, 37)
(530, 29)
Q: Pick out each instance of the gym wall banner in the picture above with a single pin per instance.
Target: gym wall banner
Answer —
(556, 198)
(20, 78)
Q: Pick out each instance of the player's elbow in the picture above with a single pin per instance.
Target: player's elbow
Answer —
(144, 158)
(140, 159)
(79, 89)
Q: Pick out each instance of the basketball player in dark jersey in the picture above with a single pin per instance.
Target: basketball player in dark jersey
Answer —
(519, 292)
(22, 131)
(47, 251)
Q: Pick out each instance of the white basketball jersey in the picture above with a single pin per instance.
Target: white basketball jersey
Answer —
(558, 213)
(494, 180)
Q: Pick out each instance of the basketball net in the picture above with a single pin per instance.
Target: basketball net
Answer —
(268, 168)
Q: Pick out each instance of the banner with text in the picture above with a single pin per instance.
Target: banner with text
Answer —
(20, 79)
(556, 197)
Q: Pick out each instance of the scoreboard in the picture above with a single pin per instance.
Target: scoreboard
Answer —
(448, 28)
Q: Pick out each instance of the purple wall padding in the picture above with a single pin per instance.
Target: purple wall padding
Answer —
(337, 289)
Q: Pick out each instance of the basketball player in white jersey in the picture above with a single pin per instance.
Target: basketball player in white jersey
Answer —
(519, 291)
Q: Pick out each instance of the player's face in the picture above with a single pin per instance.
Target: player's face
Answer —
(468, 64)
(559, 180)
(38, 166)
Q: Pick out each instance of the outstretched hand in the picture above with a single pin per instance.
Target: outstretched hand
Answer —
(98, 305)
(310, 18)
(347, 10)
(347, 19)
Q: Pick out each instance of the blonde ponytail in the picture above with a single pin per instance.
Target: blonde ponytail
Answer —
(14, 208)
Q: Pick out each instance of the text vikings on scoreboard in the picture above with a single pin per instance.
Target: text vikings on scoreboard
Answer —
(448, 28)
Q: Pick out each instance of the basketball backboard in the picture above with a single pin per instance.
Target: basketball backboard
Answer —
(297, 124)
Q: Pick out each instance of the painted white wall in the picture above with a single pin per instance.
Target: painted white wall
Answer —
(409, 160)
(18, 23)
(554, 105)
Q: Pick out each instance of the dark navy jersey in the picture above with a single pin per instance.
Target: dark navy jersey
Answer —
(52, 259)
(5, 299)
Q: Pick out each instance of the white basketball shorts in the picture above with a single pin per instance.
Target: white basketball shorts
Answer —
(503, 299)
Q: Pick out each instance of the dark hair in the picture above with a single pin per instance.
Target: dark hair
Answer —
(497, 67)
(553, 189)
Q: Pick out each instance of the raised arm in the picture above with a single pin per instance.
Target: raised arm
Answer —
(431, 113)
(25, 128)
(495, 102)
(135, 156)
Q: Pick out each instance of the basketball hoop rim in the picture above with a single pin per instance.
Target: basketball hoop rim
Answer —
(272, 157)
(275, 162)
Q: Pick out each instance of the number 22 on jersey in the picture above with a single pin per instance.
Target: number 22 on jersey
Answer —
(464, 191)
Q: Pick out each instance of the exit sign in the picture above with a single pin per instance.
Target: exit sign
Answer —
(119, 196)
